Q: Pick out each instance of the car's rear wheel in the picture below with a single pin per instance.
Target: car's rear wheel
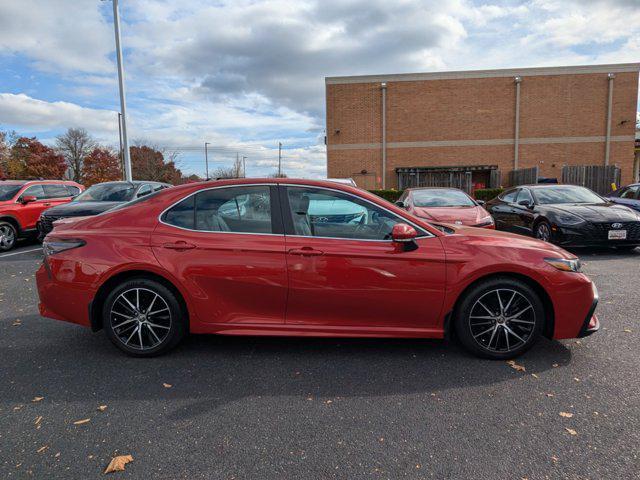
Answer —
(8, 236)
(143, 318)
(500, 318)
(542, 231)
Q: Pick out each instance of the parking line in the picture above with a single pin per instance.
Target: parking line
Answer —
(18, 253)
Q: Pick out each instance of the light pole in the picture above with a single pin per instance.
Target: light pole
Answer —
(123, 103)
(206, 160)
(279, 159)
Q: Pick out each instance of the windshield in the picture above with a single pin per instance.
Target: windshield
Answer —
(441, 198)
(107, 192)
(7, 192)
(566, 194)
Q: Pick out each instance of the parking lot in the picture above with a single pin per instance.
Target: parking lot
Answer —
(242, 407)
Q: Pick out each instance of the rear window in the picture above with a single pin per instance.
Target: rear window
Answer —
(182, 215)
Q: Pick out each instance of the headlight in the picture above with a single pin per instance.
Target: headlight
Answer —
(569, 219)
(53, 246)
(485, 222)
(565, 265)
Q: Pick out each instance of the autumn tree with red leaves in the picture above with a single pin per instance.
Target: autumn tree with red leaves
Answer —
(148, 163)
(100, 166)
(32, 159)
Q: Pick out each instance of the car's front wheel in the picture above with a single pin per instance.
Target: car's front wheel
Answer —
(542, 231)
(499, 318)
(143, 318)
(8, 236)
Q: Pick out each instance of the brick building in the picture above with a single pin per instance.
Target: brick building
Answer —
(482, 124)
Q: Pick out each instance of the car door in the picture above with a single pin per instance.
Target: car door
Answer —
(503, 211)
(523, 215)
(28, 213)
(56, 194)
(346, 274)
(226, 246)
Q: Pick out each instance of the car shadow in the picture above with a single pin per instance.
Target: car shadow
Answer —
(208, 371)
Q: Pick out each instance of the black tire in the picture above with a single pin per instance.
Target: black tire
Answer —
(542, 231)
(8, 236)
(468, 318)
(169, 324)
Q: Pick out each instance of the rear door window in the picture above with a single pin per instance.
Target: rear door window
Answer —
(55, 191)
(234, 209)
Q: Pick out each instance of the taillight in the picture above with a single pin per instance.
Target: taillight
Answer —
(57, 245)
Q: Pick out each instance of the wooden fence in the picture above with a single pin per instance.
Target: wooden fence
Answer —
(461, 180)
(596, 177)
(523, 176)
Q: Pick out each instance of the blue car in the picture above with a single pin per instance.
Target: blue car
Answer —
(629, 196)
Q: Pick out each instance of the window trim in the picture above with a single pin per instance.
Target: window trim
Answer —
(288, 220)
(514, 189)
(275, 207)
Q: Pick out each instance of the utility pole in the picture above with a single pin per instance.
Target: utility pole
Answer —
(279, 159)
(244, 167)
(123, 103)
(206, 160)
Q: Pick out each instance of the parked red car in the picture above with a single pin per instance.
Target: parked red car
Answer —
(445, 205)
(245, 257)
(22, 202)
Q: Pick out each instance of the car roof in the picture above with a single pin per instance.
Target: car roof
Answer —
(45, 182)
(135, 183)
(413, 189)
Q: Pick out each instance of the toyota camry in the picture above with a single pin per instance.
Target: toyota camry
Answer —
(246, 257)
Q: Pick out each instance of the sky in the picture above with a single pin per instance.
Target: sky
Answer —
(245, 75)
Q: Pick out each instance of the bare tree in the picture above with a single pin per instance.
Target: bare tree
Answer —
(75, 145)
(277, 174)
(234, 171)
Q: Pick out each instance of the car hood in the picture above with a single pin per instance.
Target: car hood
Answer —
(465, 215)
(81, 209)
(606, 212)
(506, 240)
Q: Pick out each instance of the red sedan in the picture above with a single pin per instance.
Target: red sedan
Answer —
(445, 205)
(250, 257)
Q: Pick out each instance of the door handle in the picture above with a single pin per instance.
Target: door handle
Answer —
(47, 204)
(306, 252)
(179, 246)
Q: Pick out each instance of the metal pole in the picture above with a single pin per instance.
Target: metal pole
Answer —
(516, 139)
(123, 106)
(383, 86)
(120, 135)
(279, 159)
(607, 145)
(206, 161)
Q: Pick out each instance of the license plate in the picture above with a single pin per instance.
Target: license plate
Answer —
(617, 234)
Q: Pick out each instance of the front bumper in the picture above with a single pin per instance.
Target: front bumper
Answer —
(595, 235)
(591, 323)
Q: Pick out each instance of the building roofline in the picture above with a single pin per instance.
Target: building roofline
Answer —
(509, 72)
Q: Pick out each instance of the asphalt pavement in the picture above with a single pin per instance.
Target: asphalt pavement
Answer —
(262, 408)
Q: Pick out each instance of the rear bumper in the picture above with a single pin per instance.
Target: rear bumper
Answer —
(62, 300)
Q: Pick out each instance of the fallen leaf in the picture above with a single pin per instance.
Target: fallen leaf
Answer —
(515, 366)
(534, 375)
(328, 402)
(554, 458)
(42, 449)
(17, 407)
(102, 408)
(627, 330)
(82, 422)
(566, 414)
(167, 385)
(571, 431)
(117, 463)
(555, 365)
(17, 323)
(37, 399)
(549, 394)
(38, 420)
(576, 379)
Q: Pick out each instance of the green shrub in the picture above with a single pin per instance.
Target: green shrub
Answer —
(487, 194)
(390, 195)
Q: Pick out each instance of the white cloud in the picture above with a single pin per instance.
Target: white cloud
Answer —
(33, 114)
(57, 35)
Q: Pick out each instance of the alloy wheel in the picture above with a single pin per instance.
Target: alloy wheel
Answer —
(140, 318)
(7, 237)
(502, 320)
(543, 233)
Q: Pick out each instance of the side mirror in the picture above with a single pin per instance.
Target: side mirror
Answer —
(27, 199)
(400, 204)
(403, 233)
(480, 202)
(525, 203)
